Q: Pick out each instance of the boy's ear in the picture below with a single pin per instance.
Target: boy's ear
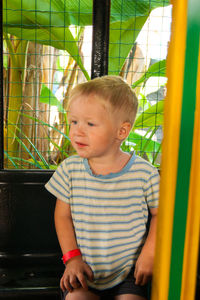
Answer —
(124, 130)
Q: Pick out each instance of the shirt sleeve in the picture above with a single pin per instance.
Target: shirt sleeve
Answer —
(152, 189)
(58, 185)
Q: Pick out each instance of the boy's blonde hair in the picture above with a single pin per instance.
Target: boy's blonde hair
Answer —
(112, 89)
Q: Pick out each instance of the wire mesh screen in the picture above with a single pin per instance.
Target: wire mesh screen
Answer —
(47, 50)
(139, 36)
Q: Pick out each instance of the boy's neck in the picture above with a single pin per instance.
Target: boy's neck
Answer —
(109, 165)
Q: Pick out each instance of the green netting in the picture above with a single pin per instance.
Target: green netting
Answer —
(47, 50)
(138, 50)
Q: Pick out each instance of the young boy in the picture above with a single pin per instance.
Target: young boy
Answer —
(104, 197)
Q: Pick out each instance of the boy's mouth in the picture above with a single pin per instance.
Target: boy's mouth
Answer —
(81, 145)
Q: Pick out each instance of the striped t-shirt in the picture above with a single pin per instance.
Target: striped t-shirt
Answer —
(109, 213)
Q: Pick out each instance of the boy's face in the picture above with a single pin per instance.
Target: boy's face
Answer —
(93, 129)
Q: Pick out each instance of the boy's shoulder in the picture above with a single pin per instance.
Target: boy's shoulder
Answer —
(74, 158)
(141, 163)
(72, 161)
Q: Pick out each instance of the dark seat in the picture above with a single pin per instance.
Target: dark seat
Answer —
(30, 256)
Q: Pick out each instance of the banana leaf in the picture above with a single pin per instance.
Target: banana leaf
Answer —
(139, 142)
(141, 145)
(47, 97)
(126, 23)
(157, 69)
(122, 39)
(151, 117)
(47, 22)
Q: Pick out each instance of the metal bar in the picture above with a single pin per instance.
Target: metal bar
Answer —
(1, 87)
(100, 39)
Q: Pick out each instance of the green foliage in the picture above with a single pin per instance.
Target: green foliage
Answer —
(46, 96)
(151, 119)
(49, 23)
(142, 145)
(40, 162)
(153, 116)
(156, 70)
(122, 40)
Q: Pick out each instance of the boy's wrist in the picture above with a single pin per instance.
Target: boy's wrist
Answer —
(71, 254)
(74, 261)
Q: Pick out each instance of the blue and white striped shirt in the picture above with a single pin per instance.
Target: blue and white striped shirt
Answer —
(109, 213)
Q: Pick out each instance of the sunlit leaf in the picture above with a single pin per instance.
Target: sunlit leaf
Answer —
(152, 116)
(139, 141)
(47, 22)
(157, 69)
(122, 39)
(47, 97)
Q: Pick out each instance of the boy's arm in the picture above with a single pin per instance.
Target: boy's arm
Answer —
(144, 264)
(76, 268)
(64, 226)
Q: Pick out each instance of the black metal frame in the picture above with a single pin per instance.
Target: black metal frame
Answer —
(100, 38)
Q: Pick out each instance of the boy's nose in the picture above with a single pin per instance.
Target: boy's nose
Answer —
(80, 130)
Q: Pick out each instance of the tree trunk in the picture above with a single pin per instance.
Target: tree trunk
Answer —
(30, 103)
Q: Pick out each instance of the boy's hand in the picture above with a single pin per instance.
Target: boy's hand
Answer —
(143, 268)
(144, 264)
(74, 274)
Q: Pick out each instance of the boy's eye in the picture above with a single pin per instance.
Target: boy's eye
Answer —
(90, 124)
(73, 122)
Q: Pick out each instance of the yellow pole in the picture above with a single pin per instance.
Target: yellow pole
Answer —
(172, 115)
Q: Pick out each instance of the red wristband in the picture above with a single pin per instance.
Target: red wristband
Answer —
(70, 254)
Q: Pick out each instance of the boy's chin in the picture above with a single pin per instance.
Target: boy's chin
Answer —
(83, 155)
